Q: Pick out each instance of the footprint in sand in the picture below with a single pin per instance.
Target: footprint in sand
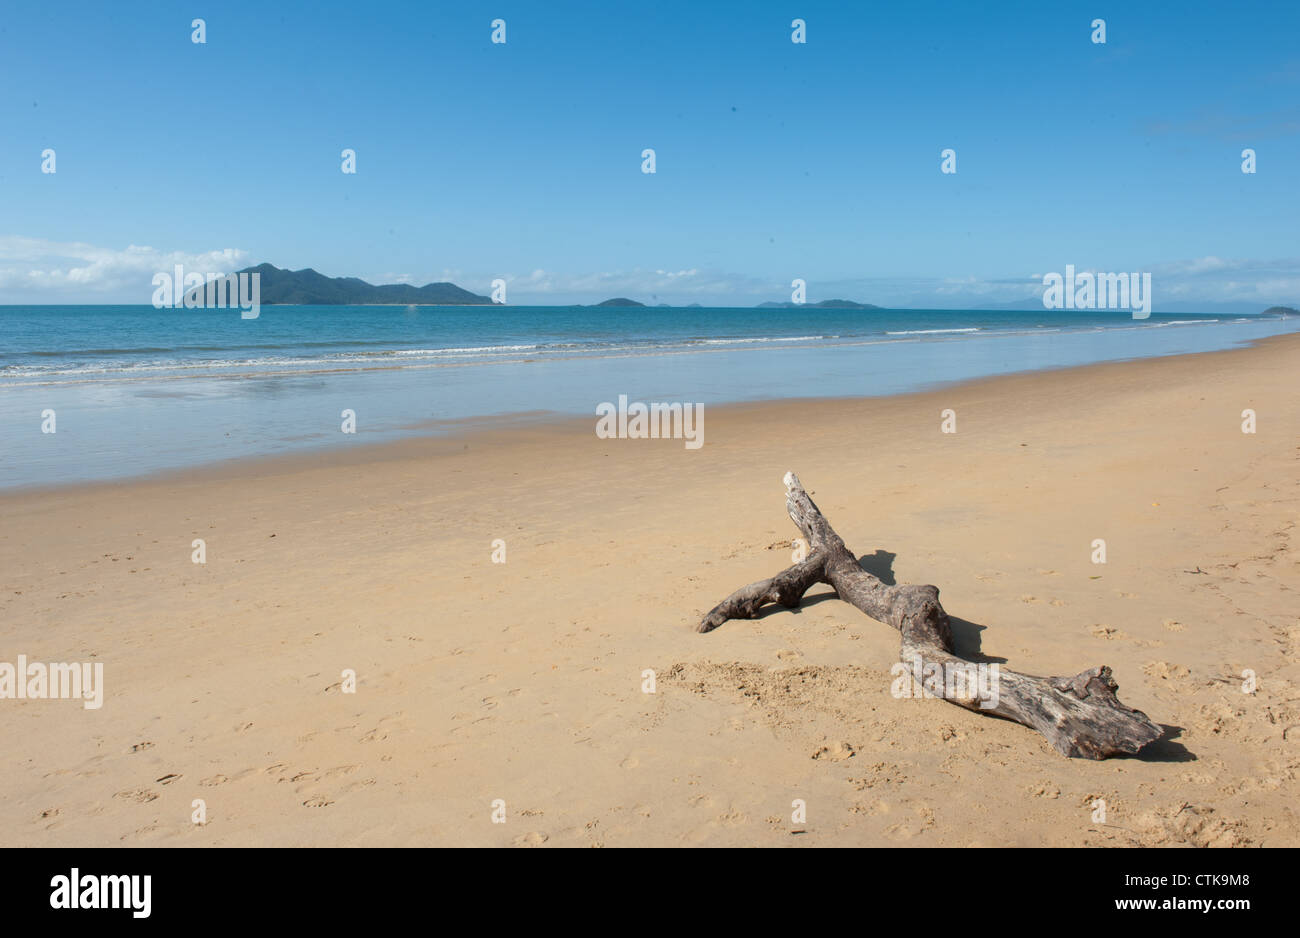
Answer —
(138, 795)
(835, 752)
(1108, 633)
(317, 801)
(380, 732)
(148, 832)
(531, 839)
(900, 832)
(876, 807)
(1175, 675)
(732, 818)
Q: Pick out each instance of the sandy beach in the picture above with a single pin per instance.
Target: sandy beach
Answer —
(524, 680)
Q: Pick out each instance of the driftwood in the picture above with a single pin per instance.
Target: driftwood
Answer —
(1080, 715)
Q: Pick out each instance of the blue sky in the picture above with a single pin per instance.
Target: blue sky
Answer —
(774, 160)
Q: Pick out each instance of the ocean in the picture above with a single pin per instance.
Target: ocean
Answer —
(136, 390)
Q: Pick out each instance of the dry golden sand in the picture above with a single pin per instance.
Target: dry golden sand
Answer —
(522, 681)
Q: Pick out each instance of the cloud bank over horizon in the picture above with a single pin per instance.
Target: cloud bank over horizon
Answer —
(37, 271)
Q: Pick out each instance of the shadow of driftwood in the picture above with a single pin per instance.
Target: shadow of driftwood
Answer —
(965, 634)
(1165, 749)
(772, 609)
(966, 641)
(880, 565)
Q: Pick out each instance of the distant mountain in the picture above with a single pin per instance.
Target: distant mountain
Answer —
(1214, 307)
(309, 288)
(1281, 311)
(620, 301)
(824, 304)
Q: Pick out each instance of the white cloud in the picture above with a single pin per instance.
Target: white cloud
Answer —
(35, 270)
(688, 285)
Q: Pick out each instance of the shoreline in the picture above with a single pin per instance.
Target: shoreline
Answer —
(488, 426)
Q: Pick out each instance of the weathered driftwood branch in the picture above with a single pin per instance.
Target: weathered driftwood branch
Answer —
(1080, 715)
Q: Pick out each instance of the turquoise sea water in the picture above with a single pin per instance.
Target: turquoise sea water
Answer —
(135, 389)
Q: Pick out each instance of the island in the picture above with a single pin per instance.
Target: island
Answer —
(309, 288)
(1281, 311)
(824, 304)
(620, 301)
